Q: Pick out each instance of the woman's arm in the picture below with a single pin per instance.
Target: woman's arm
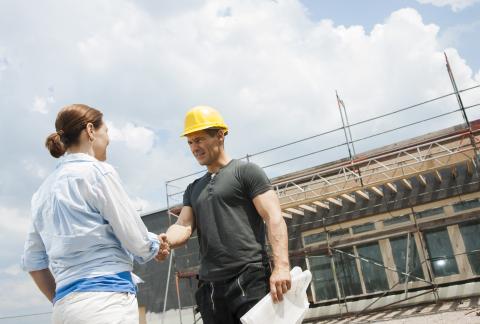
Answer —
(115, 206)
(45, 282)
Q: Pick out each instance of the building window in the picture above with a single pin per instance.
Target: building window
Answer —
(465, 205)
(396, 220)
(339, 232)
(347, 273)
(429, 212)
(363, 228)
(314, 238)
(374, 276)
(441, 253)
(323, 281)
(470, 233)
(399, 251)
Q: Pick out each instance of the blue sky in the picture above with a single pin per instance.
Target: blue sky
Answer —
(463, 24)
(271, 68)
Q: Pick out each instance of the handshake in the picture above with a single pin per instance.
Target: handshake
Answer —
(164, 249)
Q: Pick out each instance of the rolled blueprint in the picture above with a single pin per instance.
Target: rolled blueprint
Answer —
(291, 310)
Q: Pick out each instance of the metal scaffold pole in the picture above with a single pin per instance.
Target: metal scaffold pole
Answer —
(457, 93)
(171, 262)
(348, 138)
(407, 265)
(166, 288)
(348, 141)
(462, 108)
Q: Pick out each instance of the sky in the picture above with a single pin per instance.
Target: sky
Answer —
(271, 67)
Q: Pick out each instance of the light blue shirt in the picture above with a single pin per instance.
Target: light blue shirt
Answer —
(84, 225)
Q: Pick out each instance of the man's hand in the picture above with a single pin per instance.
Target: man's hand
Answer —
(164, 250)
(280, 283)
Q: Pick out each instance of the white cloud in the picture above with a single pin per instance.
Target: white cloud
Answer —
(3, 63)
(43, 104)
(266, 66)
(40, 105)
(141, 205)
(14, 221)
(12, 270)
(34, 168)
(135, 137)
(455, 5)
(19, 295)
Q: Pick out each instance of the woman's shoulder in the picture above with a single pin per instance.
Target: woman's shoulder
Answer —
(104, 168)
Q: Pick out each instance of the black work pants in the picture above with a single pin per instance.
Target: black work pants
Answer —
(225, 302)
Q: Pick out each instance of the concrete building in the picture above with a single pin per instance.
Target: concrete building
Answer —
(391, 235)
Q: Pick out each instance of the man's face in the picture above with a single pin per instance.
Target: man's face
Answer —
(205, 148)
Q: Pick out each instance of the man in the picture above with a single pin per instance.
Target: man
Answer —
(230, 206)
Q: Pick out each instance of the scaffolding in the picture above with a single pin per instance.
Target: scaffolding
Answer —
(429, 284)
(362, 177)
(359, 177)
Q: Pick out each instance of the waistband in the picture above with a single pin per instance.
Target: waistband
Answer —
(229, 280)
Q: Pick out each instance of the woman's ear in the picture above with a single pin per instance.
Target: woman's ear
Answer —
(90, 131)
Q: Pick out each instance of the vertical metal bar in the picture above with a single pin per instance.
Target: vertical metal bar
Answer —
(345, 275)
(348, 127)
(335, 279)
(177, 284)
(192, 299)
(457, 94)
(343, 124)
(170, 258)
(341, 105)
(334, 270)
(407, 264)
(462, 109)
(425, 253)
(166, 289)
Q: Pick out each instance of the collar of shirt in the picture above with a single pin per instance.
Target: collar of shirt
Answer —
(76, 157)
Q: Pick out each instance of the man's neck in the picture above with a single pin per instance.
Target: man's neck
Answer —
(222, 161)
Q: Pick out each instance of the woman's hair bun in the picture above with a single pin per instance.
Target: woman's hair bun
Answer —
(55, 145)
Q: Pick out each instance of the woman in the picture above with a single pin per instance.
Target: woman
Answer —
(85, 232)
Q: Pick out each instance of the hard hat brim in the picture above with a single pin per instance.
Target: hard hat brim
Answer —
(204, 127)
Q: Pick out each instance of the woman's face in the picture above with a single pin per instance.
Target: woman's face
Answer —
(100, 142)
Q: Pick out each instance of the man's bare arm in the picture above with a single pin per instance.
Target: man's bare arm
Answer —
(177, 234)
(268, 207)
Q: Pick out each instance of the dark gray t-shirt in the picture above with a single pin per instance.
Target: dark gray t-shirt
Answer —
(231, 233)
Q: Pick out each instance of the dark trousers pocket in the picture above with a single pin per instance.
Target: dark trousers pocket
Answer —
(249, 288)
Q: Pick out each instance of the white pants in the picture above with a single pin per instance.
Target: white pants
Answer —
(96, 308)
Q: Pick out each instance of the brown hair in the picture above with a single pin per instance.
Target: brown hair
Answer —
(70, 123)
(212, 131)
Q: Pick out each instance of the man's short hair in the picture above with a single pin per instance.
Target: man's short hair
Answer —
(212, 132)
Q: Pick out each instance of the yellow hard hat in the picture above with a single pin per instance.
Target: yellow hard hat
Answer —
(202, 117)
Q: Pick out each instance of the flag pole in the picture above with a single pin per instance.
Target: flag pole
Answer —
(340, 103)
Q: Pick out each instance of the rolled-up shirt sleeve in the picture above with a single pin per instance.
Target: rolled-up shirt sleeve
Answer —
(34, 255)
(115, 206)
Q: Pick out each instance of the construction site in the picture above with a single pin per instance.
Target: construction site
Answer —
(390, 234)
